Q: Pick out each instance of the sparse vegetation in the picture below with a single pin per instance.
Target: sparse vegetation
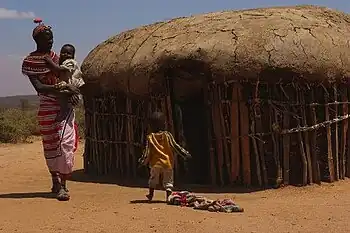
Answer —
(19, 125)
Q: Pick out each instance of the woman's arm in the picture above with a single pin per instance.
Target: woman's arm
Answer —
(52, 89)
(43, 88)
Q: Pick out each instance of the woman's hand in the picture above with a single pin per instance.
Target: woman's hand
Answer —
(48, 60)
(61, 86)
(73, 89)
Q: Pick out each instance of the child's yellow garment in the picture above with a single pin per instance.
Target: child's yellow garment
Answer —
(159, 150)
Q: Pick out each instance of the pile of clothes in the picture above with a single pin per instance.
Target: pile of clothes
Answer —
(185, 198)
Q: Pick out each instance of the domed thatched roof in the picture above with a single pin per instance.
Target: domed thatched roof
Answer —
(310, 41)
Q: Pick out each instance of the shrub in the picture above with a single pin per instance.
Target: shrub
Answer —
(17, 125)
(80, 120)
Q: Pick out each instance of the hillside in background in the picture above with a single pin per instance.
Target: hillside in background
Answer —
(16, 101)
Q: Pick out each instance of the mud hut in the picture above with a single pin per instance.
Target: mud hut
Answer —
(258, 96)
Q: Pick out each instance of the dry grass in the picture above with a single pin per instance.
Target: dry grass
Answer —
(18, 125)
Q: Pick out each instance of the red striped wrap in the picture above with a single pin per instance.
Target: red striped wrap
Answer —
(60, 139)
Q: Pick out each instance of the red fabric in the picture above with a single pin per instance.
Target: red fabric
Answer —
(38, 20)
(35, 65)
(48, 128)
(40, 28)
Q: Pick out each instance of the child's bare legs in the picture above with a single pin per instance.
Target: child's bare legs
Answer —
(150, 194)
(168, 181)
(154, 181)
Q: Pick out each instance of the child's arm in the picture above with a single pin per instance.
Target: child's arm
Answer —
(54, 66)
(145, 155)
(178, 149)
(69, 65)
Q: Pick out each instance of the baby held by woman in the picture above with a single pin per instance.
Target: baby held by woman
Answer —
(69, 75)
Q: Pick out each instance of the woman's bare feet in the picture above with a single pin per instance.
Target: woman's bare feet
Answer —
(56, 182)
(63, 194)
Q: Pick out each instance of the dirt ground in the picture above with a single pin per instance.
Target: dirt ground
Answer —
(25, 205)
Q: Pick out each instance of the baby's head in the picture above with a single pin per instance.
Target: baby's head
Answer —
(157, 122)
(67, 52)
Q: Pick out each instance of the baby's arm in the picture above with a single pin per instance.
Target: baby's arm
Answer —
(178, 149)
(77, 79)
(54, 66)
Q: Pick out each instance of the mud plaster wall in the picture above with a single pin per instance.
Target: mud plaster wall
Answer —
(310, 41)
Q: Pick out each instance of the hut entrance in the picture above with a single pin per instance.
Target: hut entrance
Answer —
(191, 128)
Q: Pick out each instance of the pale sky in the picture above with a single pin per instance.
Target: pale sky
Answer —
(87, 23)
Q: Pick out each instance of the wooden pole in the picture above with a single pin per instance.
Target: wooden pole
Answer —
(336, 135)
(259, 128)
(130, 137)
(94, 123)
(254, 143)
(275, 140)
(217, 131)
(286, 149)
(224, 136)
(306, 137)
(286, 141)
(329, 141)
(208, 100)
(348, 145)
(344, 133)
(300, 140)
(235, 146)
(245, 144)
(313, 141)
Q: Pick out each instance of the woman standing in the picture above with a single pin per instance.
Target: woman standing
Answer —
(59, 138)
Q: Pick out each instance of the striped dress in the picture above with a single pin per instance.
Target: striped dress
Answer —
(59, 138)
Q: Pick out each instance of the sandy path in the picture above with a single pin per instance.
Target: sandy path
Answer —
(24, 206)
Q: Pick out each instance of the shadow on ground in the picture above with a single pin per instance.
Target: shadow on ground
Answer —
(80, 176)
(147, 202)
(46, 195)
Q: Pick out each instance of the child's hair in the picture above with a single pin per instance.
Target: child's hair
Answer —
(70, 46)
(157, 122)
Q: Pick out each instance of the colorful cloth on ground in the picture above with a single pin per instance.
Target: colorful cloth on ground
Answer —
(59, 138)
(159, 150)
(185, 198)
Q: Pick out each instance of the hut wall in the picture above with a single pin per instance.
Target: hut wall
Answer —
(259, 134)
(115, 133)
(279, 134)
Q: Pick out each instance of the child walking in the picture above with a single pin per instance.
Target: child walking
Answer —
(69, 73)
(159, 155)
